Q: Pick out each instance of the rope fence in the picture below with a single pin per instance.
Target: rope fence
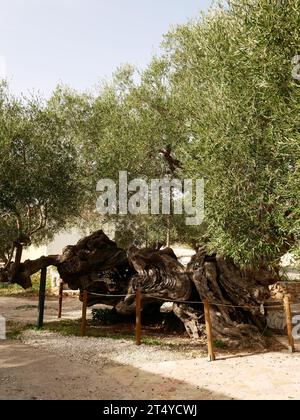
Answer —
(185, 301)
(286, 304)
(110, 296)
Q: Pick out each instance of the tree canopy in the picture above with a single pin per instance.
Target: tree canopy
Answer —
(220, 103)
(223, 98)
(41, 183)
(232, 74)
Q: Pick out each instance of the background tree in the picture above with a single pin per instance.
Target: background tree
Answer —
(138, 128)
(220, 104)
(42, 189)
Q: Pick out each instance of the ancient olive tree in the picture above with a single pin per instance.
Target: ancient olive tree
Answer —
(221, 104)
(224, 98)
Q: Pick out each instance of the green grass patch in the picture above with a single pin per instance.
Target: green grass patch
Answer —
(153, 341)
(72, 328)
(15, 330)
(14, 290)
(69, 328)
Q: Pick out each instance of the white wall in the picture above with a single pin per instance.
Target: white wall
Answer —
(60, 241)
(34, 252)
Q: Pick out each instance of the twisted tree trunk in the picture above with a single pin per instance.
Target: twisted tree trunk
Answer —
(236, 296)
(96, 264)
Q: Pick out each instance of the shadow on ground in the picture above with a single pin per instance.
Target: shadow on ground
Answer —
(27, 373)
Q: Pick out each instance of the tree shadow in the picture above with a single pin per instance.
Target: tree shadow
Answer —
(28, 373)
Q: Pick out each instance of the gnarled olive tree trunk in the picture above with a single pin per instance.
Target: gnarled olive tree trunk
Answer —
(236, 296)
(98, 265)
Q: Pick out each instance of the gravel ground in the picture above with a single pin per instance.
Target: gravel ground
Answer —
(101, 352)
(50, 366)
(24, 309)
(45, 365)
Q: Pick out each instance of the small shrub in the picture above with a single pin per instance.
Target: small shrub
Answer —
(219, 344)
(268, 333)
(105, 317)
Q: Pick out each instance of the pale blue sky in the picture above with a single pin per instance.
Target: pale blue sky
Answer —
(80, 42)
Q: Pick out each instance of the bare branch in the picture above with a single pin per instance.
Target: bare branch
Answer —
(43, 220)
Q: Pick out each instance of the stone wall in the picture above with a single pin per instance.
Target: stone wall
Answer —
(280, 290)
(275, 313)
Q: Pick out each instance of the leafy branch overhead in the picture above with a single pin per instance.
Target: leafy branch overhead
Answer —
(220, 104)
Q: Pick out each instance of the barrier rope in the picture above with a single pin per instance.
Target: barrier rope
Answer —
(206, 315)
(186, 302)
(286, 283)
(211, 303)
(109, 296)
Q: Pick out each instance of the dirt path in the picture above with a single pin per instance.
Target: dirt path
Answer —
(33, 370)
(30, 373)
(24, 310)
(48, 366)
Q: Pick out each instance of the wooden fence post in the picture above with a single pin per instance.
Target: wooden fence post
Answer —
(138, 325)
(84, 308)
(289, 323)
(210, 344)
(60, 299)
(42, 295)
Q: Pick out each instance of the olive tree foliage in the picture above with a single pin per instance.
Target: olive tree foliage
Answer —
(224, 105)
(223, 102)
(41, 187)
(231, 72)
(136, 127)
(127, 126)
(131, 123)
(220, 104)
